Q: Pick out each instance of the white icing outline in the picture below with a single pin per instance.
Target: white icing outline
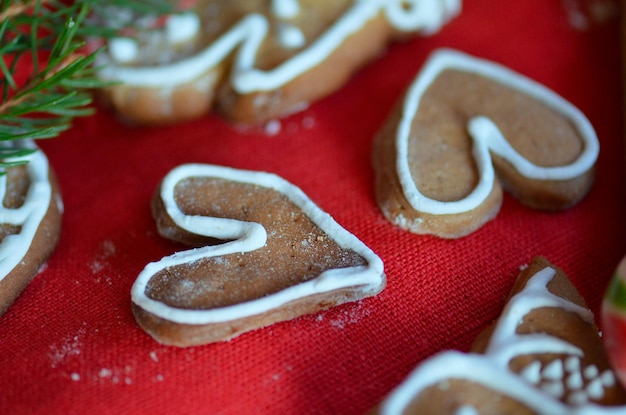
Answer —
(30, 214)
(485, 134)
(250, 236)
(247, 36)
(492, 368)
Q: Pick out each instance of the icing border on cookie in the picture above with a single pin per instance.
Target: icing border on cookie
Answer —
(30, 214)
(491, 369)
(485, 134)
(248, 34)
(251, 236)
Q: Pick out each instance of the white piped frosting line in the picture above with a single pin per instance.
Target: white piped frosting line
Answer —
(492, 368)
(485, 134)
(249, 33)
(250, 236)
(29, 215)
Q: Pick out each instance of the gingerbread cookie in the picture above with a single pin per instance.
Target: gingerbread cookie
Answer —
(259, 60)
(468, 128)
(614, 320)
(543, 355)
(264, 253)
(30, 218)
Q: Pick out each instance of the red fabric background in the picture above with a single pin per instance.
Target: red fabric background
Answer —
(70, 345)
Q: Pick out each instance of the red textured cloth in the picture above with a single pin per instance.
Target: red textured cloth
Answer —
(70, 345)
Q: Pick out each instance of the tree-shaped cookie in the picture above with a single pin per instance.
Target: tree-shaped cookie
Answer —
(544, 355)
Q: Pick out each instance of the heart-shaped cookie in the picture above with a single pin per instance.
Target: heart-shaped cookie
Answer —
(466, 129)
(264, 253)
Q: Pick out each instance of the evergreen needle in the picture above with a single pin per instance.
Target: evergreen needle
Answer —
(46, 38)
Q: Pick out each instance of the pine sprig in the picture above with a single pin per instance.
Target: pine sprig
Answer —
(48, 39)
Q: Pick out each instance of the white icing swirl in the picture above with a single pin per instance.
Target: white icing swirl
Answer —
(485, 134)
(246, 37)
(29, 215)
(249, 236)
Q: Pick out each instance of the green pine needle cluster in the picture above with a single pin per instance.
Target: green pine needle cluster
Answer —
(49, 37)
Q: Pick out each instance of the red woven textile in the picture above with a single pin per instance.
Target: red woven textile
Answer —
(70, 345)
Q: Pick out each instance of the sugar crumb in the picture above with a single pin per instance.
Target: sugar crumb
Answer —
(272, 127)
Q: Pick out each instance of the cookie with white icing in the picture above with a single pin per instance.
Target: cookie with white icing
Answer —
(264, 253)
(543, 355)
(614, 320)
(30, 219)
(468, 128)
(259, 60)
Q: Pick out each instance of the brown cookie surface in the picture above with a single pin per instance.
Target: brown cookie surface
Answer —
(543, 355)
(30, 226)
(265, 254)
(468, 128)
(256, 60)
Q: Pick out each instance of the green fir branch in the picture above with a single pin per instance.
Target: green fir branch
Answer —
(51, 36)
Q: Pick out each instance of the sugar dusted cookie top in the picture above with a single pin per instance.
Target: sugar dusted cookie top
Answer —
(254, 47)
(274, 44)
(466, 129)
(265, 253)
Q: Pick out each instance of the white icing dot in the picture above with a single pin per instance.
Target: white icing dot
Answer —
(575, 381)
(590, 372)
(608, 378)
(290, 36)
(572, 364)
(555, 389)
(554, 370)
(75, 377)
(531, 372)
(285, 9)
(123, 49)
(182, 27)
(595, 389)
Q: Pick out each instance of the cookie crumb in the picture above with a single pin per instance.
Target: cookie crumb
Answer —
(105, 373)
(308, 122)
(273, 127)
